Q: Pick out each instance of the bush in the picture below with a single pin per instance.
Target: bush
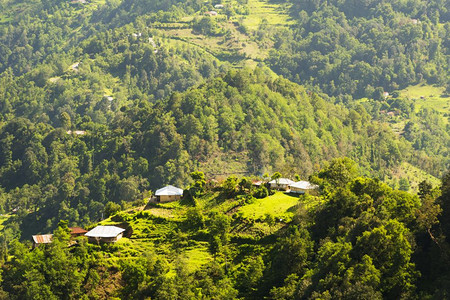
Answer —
(261, 192)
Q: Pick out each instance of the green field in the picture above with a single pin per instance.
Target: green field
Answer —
(278, 205)
(197, 256)
(428, 96)
(260, 10)
(414, 176)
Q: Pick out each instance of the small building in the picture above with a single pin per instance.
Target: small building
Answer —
(76, 132)
(219, 6)
(281, 184)
(302, 187)
(211, 13)
(385, 95)
(168, 193)
(77, 231)
(42, 239)
(105, 234)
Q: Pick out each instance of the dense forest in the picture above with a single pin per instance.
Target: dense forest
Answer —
(103, 102)
(362, 49)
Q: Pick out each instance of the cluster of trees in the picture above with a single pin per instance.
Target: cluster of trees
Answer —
(367, 241)
(364, 48)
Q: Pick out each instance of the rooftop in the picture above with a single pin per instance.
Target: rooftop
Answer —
(304, 185)
(282, 181)
(169, 190)
(77, 230)
(105, 232)
(43, 238)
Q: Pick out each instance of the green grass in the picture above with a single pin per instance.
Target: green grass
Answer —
(237, 48)
(428, 96)
(197, 256)
(3, 219)
(263, 10)
(279, 205)
(414, 176)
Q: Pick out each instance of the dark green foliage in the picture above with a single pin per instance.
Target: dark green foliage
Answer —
(194, 218)
(261, 192)
(358, 48)
(219, 227)
(111, 208)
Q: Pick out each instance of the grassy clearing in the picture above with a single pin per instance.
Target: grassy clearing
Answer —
(197, 256)
(279, 205)
(237, 48)
(261, 10)
(159, 230)
(414, 176)
(428, 96)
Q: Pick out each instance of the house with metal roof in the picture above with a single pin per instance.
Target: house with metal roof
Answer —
(168, 193)
(42, 239)
(302, 187)
(77, 231)
(281, 184)
(105, 234)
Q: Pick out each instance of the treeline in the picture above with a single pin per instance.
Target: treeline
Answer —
(361, 239)
(361, 49)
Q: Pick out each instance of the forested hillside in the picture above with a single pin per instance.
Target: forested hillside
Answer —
(358, 238)
(363, 48)
(103, 102)
(242, 122)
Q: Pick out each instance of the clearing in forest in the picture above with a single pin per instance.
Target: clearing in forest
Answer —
(278, 205)
(430, 96)
(274, 14)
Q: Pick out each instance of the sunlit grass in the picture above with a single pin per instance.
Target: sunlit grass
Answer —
(426, 95)
(3, 219)
(277, 205)
(263, 10)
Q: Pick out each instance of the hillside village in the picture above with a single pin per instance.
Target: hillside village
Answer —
(167, 194)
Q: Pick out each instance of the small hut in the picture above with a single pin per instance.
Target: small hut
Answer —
(105, 234)
(77, 231)
(42, 239)
(168, 193)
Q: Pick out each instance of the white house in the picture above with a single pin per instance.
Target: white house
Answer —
(302, 187)
(168, 193)
(281, 184)
(105, 234)
(219, 6)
